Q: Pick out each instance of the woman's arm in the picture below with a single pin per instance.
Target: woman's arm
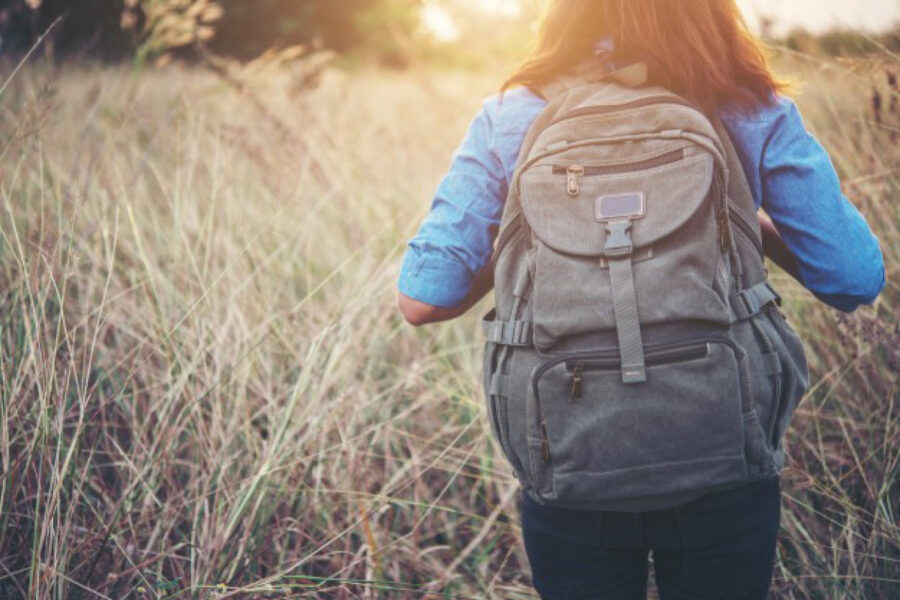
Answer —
(419, 313)
(447, 269)
(456, 238)
(836, 255)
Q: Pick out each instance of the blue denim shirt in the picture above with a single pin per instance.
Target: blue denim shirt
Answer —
(790, 174)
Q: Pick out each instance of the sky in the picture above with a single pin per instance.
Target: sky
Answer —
(813, 15)
(819, 15)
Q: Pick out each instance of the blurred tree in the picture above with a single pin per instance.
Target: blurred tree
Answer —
(163, 25)
(843, 42)
(247, 29)
(113, 29)
(88, 28)
(243, 29)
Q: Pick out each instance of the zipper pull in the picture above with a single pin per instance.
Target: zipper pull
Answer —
(545, 445)
(572, 174)
(575, 392)
(723, 230)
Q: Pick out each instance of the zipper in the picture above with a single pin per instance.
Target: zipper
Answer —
(609, 108)
(668, 353)
(662, 356)
(741, 221)
(612, 362)
(594, 110)
(572, 172)
(580, 362)
(588, 142)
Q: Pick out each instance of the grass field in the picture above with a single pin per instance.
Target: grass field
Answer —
(206, 390)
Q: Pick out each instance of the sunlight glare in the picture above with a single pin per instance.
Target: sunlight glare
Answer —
(502, 8)
(439, 23)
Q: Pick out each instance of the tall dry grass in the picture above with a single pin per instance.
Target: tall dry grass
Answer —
(206, 391)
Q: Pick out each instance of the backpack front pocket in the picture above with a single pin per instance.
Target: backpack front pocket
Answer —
(604, 440)
(680, 272)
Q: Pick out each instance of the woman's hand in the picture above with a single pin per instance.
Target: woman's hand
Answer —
(419, 313)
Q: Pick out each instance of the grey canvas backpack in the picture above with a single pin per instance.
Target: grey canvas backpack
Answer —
(637, 356)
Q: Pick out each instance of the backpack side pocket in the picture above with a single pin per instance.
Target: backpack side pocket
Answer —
(504, 402)
(794, 372)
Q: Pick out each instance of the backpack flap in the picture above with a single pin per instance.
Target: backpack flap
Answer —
(659, 194)
(664, 189)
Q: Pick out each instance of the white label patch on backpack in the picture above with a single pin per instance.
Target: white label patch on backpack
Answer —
(619, 206)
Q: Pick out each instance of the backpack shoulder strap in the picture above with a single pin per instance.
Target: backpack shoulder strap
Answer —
(511, 209)
(738, 187)
(740, 201)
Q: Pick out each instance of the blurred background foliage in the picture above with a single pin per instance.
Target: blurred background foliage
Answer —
(122, 29)
(394, 32)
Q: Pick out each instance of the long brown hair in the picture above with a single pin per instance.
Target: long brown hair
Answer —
(700, 49)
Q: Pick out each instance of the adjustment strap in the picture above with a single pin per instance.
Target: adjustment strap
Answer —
(508, 333)
(628, 328)
(751, 301)
(499, 382)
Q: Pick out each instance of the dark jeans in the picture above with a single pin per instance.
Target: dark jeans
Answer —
(720, 546)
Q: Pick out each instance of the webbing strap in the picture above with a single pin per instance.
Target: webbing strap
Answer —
(750, 301)
(499, 382)
(628, 328)
(508, 333)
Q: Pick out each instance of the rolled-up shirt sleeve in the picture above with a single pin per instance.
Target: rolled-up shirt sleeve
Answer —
(838, 256)
(455, 240)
